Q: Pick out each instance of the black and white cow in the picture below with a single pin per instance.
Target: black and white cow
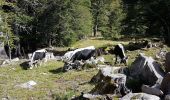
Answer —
(36, 56)
(73, 59)
(119, 52)
(83, 54)
(79, 54)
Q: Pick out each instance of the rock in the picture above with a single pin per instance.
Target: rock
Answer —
(139, 96)
(110, 81)
(167, 97)
(69, 65)
(49, 55)
(15, 59)
(100, 59)
(5, 62)
(167, 62)
(147, 70)
(152, 90)
(96, 97)
(165, 85)
(29, 55)
(58, 58)
(27, 85)
(103, 72)
(161, 54)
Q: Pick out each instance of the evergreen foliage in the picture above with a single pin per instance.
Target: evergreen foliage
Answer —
(41, 23)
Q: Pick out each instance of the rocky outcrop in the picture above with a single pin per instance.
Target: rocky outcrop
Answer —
(110, 81)
(147, 70)
(165, 86)
(167, 62)
(140, 96)
(154, 90)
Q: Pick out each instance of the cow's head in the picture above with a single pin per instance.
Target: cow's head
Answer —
(125, 60)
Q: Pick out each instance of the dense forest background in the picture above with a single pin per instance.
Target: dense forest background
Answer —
(32, 24)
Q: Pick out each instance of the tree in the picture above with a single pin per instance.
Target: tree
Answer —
(107, 17)
(63, 22)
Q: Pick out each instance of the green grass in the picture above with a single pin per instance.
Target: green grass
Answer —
(96, 43)
(52, 83)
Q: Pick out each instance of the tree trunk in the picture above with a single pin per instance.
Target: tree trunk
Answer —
(95, 30)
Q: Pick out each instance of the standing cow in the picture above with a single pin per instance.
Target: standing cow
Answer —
(79, 54)
(119, 52)
(37, 56)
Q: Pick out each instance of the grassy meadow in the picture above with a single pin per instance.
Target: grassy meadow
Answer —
(52, 83)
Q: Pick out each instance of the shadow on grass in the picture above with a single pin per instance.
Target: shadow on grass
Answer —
(24, 65)
(57, 71)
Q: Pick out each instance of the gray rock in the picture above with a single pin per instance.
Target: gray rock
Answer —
(147, 70)
(167, 97)
(139, 96)
(161, 54)
(152, 90)
(110, 81)
(167, 62)
(76, 65)
(27, 85)
(165, 85)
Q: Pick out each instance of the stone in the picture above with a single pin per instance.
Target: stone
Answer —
(167, 62)
(15, 59)
(167, 97)
(147, 70)
(161, 54)
(165, 85)
(70, 65)
(152, 90)
(110, 81)
(27, 85)
(139, 96)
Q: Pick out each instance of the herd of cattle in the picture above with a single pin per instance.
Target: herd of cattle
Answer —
(113, 79)
(78, 55)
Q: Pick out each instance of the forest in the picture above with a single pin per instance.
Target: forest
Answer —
(32, 24)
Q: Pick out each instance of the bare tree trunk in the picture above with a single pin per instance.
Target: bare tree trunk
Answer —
(95, 30)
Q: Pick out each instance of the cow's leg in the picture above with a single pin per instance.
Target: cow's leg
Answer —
(116, 60)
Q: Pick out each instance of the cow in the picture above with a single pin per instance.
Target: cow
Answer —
(83, 54)
(79, 54)
(37, 56)
(119, 51)
(73, 59)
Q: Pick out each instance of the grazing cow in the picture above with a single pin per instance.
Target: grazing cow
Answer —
(83, 54)
(119, 52)
(73, 59)
(79, 54)
(36, 56)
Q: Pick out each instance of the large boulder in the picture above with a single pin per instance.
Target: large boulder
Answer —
(165, 86)
(154, 90)
(107, 71)
(147, 70)
(140, 96)
(110, 81)
(167, 62)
